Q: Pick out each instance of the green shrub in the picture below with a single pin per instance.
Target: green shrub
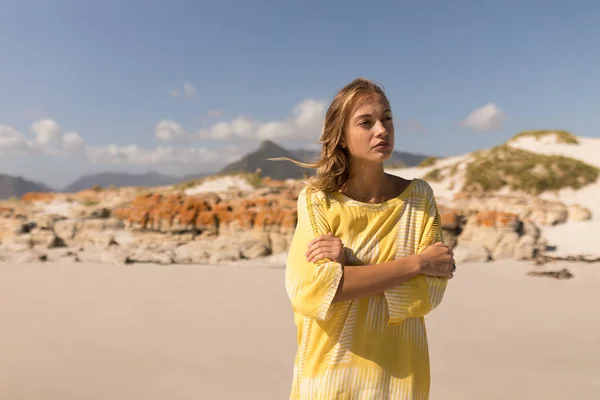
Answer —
(89, 203)
(454, 169)
(562, 135)
(525, 171)
(428, 162)
(435, 175)
(397, 165)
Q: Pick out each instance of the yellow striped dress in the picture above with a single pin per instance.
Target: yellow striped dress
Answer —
(374, 347)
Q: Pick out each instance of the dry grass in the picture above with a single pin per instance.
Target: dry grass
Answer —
(525, 171)
(435, 175)
(561, 135)
(428, 162)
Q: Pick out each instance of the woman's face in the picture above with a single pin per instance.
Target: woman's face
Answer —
(370, 131)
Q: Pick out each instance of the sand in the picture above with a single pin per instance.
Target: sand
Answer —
(220, 184)
(86, 331)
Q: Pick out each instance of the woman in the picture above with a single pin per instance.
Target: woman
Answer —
(366, 262)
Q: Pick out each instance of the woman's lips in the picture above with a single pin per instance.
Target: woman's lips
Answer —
(382, 146)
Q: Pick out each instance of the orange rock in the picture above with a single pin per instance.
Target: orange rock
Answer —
(289, 220)
(449, 220)
(164, 212)
(6, 210)
(496, 219)
(37, 196)
(206, 220)
(273, 183)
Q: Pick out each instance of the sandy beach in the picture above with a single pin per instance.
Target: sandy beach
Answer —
(87, 331)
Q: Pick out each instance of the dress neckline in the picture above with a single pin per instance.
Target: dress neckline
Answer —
(401, 197)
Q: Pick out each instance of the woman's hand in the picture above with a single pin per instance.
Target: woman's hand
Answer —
(326, 246)
(437, 260)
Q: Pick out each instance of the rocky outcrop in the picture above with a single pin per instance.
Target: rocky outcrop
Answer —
(535, 209)
(497, 235)
(166, 226)
(209, 215)
(163, 228)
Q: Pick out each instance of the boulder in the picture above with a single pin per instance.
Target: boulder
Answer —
(501, 234)
(578, 213)
(163, 257)
(535, 208)
(549, 215)
(191, 253)
(255, 250)
(505, 249)
(526, 248)
(56, 242)
(470, 252)
(279, 242)
(30, 256)
(225, 255)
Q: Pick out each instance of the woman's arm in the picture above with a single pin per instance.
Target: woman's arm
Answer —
(369, 280)
(313, 286)
(423, 294)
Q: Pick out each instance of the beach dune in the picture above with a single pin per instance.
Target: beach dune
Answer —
(87, 331)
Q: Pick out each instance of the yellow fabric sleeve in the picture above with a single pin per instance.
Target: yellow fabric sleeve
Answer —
(311, 287)
(422, 294)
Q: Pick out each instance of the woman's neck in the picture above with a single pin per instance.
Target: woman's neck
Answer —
(368, 184)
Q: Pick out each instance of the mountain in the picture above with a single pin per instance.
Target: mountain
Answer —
(279, 170)
(15, 186)
(120, 179)
(283, 169)
(398, 158)
(406, 159)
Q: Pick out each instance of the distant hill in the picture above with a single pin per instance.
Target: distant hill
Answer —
(283, 169)
(120, 179)
(200, 175)
(398, 158)
(406, 159)
(279, 170)
(15, 186)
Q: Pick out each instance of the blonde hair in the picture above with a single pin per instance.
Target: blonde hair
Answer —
(333, 164)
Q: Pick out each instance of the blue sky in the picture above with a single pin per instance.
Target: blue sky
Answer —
(139, 85)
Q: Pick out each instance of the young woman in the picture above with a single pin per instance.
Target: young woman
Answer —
(366, 264)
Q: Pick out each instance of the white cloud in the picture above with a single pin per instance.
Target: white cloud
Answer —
(72, 140)
(309, 113)
(275, 130)
(134, 155)
(240, 127)
(50, 139)
(12, 140)
(187, 92)
(169, 131)
(306, 121)
(486, 118)
(47, 132)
